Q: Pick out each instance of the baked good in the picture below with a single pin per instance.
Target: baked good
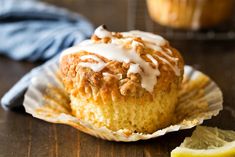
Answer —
(190, 14)
(123, 80)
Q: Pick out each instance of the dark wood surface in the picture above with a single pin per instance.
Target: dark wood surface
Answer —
(22, 135)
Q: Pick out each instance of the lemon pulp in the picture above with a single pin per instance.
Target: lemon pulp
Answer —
(207, 142)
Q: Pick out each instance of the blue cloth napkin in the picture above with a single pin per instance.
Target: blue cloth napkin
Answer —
(33, 30)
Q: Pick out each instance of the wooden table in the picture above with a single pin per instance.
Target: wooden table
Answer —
(22, 135)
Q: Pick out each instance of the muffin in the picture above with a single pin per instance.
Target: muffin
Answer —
(123, 80)
(190, 14)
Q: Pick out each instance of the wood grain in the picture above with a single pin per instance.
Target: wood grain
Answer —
(24, 136)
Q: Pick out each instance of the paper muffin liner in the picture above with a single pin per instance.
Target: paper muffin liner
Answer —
(200, 99)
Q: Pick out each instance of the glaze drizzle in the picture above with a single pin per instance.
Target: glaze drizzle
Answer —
(115, 50)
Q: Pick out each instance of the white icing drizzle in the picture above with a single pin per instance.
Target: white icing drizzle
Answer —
(106, 74)
(153, 46)
(152, 59)
(115, 50)
(121, 41)
(169, 51)
(136, 43)
(174, 68)
(133, 69)
(147, 37)
(91, 57)
(101, 32)
(94, 66)
(169, 57)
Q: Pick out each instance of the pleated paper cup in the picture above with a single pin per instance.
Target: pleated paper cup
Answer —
(200, 99)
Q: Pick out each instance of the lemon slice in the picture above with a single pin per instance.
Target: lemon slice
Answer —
(207, 142)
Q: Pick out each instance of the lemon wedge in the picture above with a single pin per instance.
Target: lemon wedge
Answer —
(207, 142)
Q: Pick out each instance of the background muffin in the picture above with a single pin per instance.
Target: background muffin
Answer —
(190, 14)
(126, 80)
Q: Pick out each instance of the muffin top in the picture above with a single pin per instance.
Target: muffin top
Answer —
(131, 63)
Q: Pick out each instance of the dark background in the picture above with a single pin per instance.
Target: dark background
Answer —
(22, 135)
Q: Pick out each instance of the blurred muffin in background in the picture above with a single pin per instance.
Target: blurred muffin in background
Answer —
(190, 14)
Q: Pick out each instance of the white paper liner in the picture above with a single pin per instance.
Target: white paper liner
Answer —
(200, 99)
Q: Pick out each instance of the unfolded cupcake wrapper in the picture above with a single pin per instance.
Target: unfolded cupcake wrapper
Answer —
(200, 99)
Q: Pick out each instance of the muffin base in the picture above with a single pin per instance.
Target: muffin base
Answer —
(133, 114)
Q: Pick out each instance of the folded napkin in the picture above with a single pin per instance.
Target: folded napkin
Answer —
(32, 30)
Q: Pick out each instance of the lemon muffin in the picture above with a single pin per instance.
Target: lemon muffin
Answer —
(123, 80)
(190, 14)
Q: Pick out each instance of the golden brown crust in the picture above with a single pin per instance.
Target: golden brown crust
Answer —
(117, 84)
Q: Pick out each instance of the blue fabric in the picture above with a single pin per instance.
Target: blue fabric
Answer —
(32, 30)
